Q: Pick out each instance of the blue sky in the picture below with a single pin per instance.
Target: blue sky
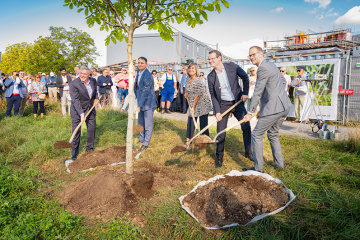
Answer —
(245, 23)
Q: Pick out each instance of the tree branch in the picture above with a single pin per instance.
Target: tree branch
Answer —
(159, 20)
(117, 15)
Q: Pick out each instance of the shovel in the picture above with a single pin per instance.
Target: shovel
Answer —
(206, 140)
(186, 147)
(192, 115)
(64, 144)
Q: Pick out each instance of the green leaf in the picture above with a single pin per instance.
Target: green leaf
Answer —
(225, 3)
(86, 11)
(204, 14)
(71, 6)
(79, 10)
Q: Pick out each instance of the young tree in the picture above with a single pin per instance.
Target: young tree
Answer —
(16, 57)
(122, 18)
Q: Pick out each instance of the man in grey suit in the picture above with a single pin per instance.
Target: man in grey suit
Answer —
(83, 92)
(274, 107)
(146, 101)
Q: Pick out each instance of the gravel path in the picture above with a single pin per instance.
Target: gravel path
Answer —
(288, 128)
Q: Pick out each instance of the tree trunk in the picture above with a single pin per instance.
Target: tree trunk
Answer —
(129, 135)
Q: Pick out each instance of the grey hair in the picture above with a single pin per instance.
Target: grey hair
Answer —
(283, 68)
(85, 68)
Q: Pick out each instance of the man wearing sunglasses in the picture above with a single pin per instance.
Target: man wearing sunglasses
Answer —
(13, 93)
(287, 78)
(300, 91)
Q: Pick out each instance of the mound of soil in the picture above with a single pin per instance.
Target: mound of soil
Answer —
(109, 193)
(100, 158)
(137, 129)
(62, 144)
(235, 199)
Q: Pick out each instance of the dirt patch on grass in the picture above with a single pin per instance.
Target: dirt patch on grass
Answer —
(100, 158)
(235, 199)
(109, 194)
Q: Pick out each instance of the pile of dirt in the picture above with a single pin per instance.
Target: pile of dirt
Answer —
(202, 141)
(235, 199)
(100, 158)
(109, 193)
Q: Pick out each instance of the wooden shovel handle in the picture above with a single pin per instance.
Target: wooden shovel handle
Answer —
(208, 126)
(79, 125)
(232, 126)
(192, 115)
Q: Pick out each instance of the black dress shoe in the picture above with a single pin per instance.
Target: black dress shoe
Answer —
(276, 167)
(143, 147)
(249, 156)
(218, 163)
(252, 169)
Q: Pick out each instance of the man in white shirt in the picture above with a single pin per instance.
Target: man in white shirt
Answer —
(62, 82)
(287, 78)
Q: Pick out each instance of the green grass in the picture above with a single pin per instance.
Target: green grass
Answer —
(324, 175)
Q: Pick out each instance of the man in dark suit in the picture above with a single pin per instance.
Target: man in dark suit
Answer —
(225, 91)
(83, 92)
(274, 107)
(104, 82)
(62, 82)
(146, 101)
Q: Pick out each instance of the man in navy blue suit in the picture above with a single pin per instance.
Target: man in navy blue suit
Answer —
(146, 101)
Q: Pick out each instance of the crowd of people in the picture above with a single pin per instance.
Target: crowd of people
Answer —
(83, 92)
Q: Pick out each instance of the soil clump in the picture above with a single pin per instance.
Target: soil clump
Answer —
(202, 141)
(109, 194)
(98, 158)
(137, 129)
(62, 144)
(235, 199)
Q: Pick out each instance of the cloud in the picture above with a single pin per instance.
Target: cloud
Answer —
(277, 10)
(330, 13)
(352, 17)
(322, 3)
(320, 16)
(241, 50)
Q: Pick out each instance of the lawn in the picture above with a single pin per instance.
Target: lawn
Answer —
(324, 176)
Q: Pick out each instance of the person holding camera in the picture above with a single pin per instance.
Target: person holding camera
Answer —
(38, 95)
(13, 93)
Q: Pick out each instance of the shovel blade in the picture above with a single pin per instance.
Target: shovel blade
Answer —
(62, 144)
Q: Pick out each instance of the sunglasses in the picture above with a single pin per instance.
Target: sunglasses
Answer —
(37, 78)
(252, 70)
(282, 71)
(201, 75)
(154, 74)
(298, 70)
(170, 69)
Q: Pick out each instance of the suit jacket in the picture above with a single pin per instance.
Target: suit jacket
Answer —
(80, 100)
(59, 83)
(100, 82)
(144, 91)
(9, 83)
(269, 90)
(233, 73)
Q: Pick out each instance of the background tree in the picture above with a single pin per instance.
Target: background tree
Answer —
(61, 48)
(16, 57)
(122, 18)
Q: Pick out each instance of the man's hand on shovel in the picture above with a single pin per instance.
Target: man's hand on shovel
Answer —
(248, 117)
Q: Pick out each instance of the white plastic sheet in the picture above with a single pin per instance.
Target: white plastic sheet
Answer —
(237, 173)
